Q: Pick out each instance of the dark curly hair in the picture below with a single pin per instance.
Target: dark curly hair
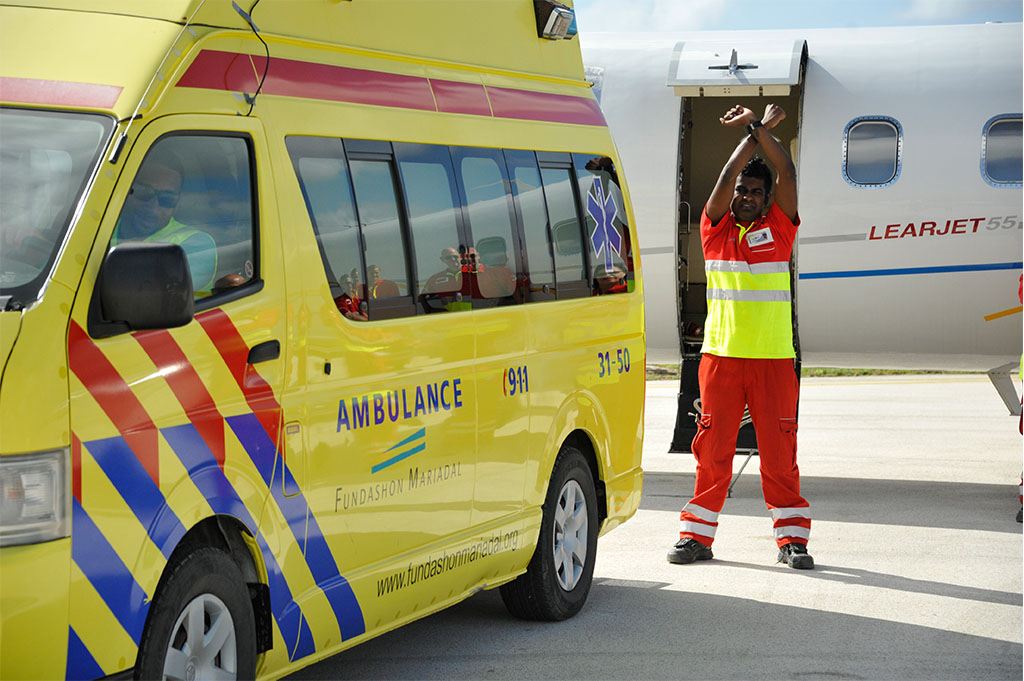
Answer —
(758, 169)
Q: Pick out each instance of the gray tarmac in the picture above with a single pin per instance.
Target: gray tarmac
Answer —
(912, 482)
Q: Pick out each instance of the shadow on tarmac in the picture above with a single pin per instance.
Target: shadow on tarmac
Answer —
(640, 630)
(914, 503)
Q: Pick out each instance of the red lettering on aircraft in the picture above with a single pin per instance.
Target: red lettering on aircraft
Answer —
(901, 230)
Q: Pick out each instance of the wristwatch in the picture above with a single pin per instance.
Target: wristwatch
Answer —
(752, 127)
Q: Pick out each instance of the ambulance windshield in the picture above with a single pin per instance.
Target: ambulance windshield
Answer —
(47, 159)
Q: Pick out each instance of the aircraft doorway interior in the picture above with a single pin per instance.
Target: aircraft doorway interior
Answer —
(704, 146)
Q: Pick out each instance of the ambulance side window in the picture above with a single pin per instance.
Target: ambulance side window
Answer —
(432, 203)
(381, 222)
(607, 233)
(195, 190)
(567, 236)
(324, 177)
(528, 197)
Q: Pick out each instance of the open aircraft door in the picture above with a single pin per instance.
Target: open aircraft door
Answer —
(710, 76)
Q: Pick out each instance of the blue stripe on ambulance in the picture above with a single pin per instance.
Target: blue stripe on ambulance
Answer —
(210, 480)
(81, 665)
(136, 487)
(108, 574)
(251, 433)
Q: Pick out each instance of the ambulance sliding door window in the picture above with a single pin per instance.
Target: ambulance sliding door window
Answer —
(482, 182)
(442, 260)
(196, 190)
(872, 150)
(528, 197)
(558, 176)
(323, 175)
(1001, 157)
(382, 225)
(611, 257)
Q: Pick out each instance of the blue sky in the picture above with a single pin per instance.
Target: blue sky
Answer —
(702, 15)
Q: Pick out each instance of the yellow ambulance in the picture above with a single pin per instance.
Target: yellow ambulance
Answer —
(316, 316)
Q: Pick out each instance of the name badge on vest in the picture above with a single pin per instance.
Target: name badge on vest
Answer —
(760, 238)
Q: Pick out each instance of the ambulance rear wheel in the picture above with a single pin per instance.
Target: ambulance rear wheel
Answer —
(201, 625)
(557, 581)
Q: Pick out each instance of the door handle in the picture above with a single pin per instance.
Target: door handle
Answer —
(264, 352)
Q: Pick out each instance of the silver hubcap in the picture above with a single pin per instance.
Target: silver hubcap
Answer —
(570, 535)
(203, 644)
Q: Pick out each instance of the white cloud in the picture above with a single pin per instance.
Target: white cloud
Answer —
(647, 15)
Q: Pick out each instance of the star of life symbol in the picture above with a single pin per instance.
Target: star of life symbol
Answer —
(605, 236)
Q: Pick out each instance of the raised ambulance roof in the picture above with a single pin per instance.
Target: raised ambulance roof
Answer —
(102, 54)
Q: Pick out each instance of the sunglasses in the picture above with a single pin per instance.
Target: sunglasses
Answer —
(145, 194)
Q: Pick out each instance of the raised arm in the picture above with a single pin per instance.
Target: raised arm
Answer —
(785, 185)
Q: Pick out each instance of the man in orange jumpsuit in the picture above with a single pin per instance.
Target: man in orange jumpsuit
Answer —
(748, 352)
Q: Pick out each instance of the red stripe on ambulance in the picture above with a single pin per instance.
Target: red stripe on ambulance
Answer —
(116, 399)
(58, 93)
(186, 385)
(235, 72)
(232, 348)
(76, 467)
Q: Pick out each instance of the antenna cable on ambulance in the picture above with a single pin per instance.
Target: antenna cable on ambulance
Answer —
(157, 75)
(251, 101)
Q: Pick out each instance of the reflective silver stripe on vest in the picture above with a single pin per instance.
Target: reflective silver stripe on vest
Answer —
(740, 266)
(745, 295)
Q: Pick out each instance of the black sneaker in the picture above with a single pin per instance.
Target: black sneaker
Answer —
(1020, 515)
(796, 556)
(689, 551)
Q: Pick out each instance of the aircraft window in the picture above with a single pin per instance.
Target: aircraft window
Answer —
(872, 147)
(1001, 152)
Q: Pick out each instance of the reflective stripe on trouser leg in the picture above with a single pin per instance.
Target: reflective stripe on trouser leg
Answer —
(714, 446)
(696, 522)
(772, 391)
(791, 524)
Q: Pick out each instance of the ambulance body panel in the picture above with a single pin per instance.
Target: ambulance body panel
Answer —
(361, 464)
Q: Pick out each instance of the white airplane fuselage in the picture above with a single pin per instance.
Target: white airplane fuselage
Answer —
(917, 272)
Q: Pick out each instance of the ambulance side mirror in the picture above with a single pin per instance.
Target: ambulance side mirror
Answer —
(143, 286)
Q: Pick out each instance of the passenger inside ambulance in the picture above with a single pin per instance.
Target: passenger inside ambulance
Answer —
(203, 205)
(148, 215)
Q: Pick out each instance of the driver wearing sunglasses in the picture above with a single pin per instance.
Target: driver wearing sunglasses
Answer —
(148, 215)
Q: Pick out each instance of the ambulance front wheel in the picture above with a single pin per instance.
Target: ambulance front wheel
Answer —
(201, 625)
(557, 581)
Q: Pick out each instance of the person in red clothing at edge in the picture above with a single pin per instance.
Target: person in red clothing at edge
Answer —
(748, 356)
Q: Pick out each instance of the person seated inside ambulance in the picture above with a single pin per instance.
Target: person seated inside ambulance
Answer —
(148, 215)
(349, 303)
(380, 287)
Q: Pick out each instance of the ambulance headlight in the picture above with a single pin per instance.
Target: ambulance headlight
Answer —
(35, 498)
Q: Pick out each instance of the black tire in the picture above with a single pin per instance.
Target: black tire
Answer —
(208, 579)
(540, 593)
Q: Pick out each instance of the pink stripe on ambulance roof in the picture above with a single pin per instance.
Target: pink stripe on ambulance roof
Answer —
(235, 72)
(58, 93)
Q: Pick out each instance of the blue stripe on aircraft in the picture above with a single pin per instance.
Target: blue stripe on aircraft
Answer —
(81, 665)
(136, 487)
(107, 573)
(210, 480)
(912, 270)
(322, 566)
